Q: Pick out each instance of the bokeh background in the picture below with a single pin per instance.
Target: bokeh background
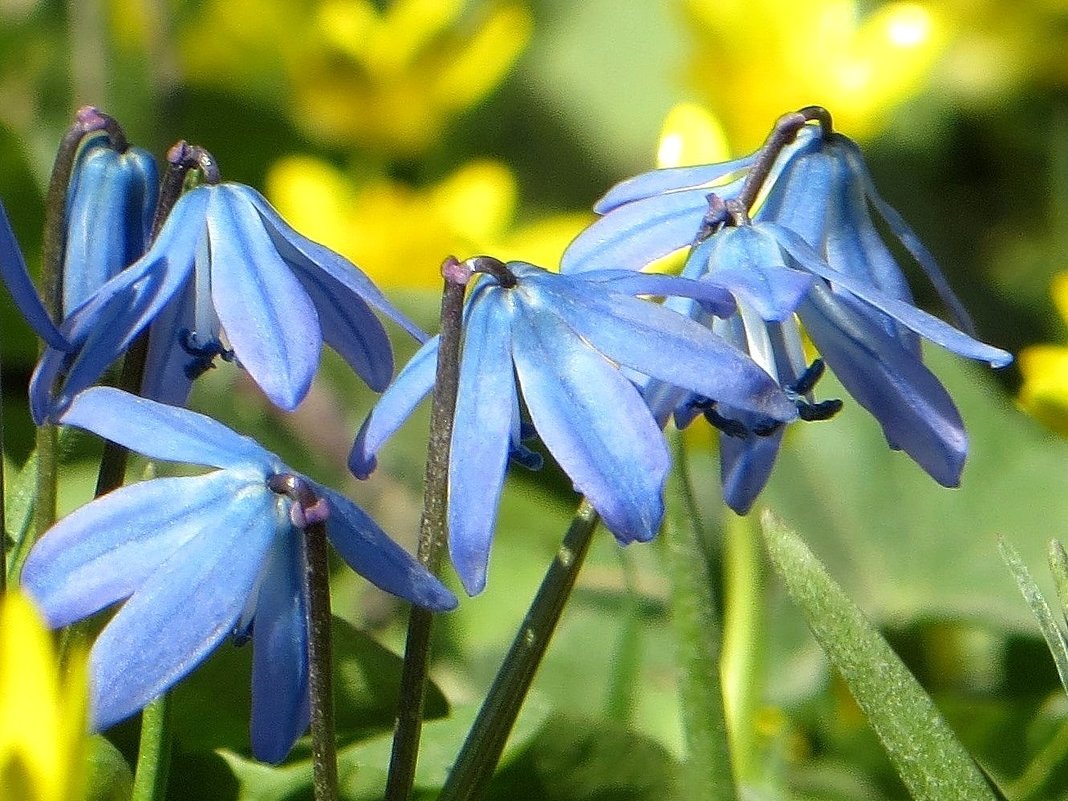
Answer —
(401, 132)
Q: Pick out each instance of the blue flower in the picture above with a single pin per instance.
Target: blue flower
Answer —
(196, 558)
(110, 204)
(570, 344)
(226, 276)
(814, 254)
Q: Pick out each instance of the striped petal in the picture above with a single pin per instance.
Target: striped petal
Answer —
(269, 319)
(185, 609)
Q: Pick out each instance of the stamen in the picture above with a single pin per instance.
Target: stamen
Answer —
(203, 354)
(308, 508)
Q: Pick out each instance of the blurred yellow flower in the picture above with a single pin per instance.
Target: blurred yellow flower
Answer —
(399, 234)
(1044, 393)
(42, 716)
(387, 77)
(758, 59)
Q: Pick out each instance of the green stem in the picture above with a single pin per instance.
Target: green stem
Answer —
(626, 662)
(485, 742)
(693, 573)
(154, 752)
(743, 640)
(432, 533)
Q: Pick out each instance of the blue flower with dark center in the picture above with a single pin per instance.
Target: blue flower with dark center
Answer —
(570, 345)
(197, 558)
(225, 276)
(813, 254)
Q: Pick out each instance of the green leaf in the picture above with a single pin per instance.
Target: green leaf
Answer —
(912, 549)
(927, 755)
(1051, 631)
(366, 680)
(575, 759)
(109, 777)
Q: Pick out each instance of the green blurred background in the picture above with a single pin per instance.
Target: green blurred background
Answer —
(400, 132)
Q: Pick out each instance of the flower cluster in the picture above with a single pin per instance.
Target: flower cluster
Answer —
(587, 360)
(810, 256)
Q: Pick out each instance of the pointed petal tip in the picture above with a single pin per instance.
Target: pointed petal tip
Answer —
(471, 568)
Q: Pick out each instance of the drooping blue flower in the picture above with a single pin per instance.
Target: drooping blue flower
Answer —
(226, 276)
(109, 207)
(565, 342)
(111, 200)
(814, 254)
(196, 559)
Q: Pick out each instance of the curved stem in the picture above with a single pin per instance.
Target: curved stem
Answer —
(693, 573)
(485, 742)
(432, 532)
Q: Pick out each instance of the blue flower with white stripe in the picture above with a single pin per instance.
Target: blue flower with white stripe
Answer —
(569, 346)
(194, 559)
(226, 277)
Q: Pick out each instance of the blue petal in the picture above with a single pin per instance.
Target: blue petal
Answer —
(349, 326)
(637, 233)
(640, 335)
(716, 299)
(750, 264)
(269, 319)
(105, 550)
(594, 423)
(298, 249)
(105, 326)
(106, 229)
(914, 409)
(745, 467)
(669, 179)
(799, 198)
(908, 238)
(921, 322)
(280, 700)
(185, 609)
(20, 285)
(165, 432)
(411, 385)
(370, 552)
(485, 404)
(166, 379)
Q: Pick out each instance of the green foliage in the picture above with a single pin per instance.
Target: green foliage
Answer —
(927, 755)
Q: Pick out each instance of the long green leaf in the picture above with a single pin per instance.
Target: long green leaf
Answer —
(927, 755)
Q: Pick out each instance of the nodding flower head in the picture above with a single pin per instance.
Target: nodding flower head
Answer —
(197, 558)
(812, 254)
(569, 345)
(225, 276)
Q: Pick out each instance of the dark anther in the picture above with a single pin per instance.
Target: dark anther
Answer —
(806, 382)
(491, 266)
(824, 410)
(729, 426)
(203, 355)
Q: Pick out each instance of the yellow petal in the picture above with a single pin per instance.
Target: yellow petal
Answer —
(691, 135)
(42, 727)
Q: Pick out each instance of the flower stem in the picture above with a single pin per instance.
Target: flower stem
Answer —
(320, 682)
(432, 532)
(87, 121)
(693, 574)
(485, 742)
(309, 513)
(154, 751)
